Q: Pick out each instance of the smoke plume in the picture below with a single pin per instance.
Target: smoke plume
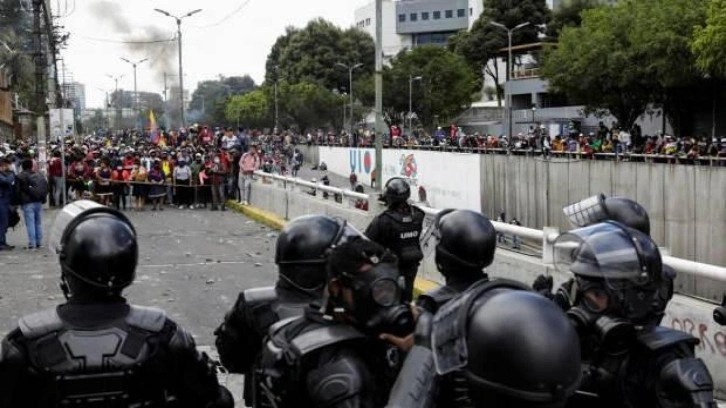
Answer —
(138, 39)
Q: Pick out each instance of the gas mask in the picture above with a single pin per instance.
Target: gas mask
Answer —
(377, 302)
(594, 323)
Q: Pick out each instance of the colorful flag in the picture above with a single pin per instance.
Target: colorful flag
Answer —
(153, 128)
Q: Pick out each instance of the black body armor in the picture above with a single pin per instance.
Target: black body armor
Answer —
(311, 362)
(105, 355)
(400, 232)
(658, 370)
(240, 337)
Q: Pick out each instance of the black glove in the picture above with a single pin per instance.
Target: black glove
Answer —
(543, 285)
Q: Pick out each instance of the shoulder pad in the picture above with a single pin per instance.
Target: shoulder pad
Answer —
(146, 318)
(39, 324)
(448, 338)
(322, 337)
(662, 337)
(441, 295)
(338, 383)
(260, 295)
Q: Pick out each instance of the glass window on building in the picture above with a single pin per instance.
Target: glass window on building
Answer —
(401, 18)
(471, 11)
(449, 13)
(368, 21)
(461, 13)
(414, 17)
(437, 15)
(424, 15)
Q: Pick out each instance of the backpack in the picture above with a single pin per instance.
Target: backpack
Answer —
(37, 187)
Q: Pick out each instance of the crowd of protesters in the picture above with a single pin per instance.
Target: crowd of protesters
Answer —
(601, 143)
(196, 168)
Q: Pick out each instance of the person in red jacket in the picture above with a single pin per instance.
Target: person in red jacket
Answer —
(120, 182)
(55, 179)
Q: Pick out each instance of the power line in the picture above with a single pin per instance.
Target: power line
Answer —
(227, 17)
(107, 40)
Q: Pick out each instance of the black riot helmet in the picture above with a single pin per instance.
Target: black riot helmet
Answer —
(464, 240)
(618, 271)
(97, 249)
(515, 348)
(396, 191)
(601, 208)
(370, 273)
(303, 248)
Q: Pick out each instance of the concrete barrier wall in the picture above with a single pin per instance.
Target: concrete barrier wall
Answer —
(685, 314)
(687, 204)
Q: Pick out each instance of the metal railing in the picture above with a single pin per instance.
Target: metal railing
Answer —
(623, 156)
(295, 182)
(547, 236)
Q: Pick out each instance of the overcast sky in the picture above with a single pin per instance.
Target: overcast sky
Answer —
(236, 46)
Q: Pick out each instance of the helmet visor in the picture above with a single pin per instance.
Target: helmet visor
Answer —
(64, 218)
(605, 251)
(431, 233)
(346, 233)
(587, 212)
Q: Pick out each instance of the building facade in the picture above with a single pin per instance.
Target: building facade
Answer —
(411, 23)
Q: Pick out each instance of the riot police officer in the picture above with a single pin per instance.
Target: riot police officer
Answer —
(97, 350)
(464, 242)
(598, 209)
(628, 360)
(512, 347)
(398, 228)
(333, 356)
(301, 254)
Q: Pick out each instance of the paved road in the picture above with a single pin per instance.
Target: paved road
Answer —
(192, 264)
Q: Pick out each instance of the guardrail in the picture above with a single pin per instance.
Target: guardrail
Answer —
(638, 157)
(548, 236)
(298, 182)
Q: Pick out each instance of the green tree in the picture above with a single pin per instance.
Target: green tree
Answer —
(625, 57)
(308, 104)
(482, 43)
(445, 90)
(210, 98)
(310, 54)
(15, 24)
(251, 109)
(709, 42)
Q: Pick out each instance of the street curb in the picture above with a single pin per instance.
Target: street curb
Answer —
(273, 221)
(261, 216)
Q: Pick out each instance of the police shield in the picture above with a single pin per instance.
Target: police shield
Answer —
(587, 212)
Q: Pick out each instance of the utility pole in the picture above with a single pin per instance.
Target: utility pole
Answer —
(411, 78)
(118, 105)
(136, 91)
(510, 33)
(39, 56)
(379, 94)
(350, 69)
(181, 67)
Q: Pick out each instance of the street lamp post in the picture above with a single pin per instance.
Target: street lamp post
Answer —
(277, 106)
(350, 69)
(510, 32)
(411, 78)
(181, 68)
(118, 106)
(136, 90)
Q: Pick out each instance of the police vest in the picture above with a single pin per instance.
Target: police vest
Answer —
(279, 378)
(120, 364)
(406, 229)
